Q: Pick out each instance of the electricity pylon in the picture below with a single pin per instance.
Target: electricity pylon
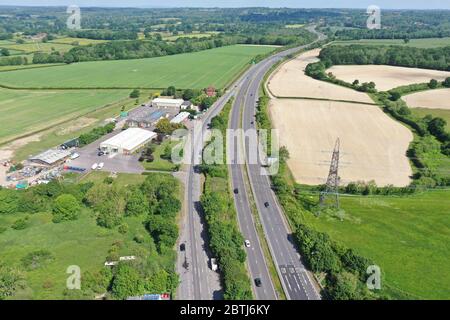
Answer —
(330, 197)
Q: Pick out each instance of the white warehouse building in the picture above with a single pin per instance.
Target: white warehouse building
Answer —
(181, 117)
(128, 141)
(167, 103)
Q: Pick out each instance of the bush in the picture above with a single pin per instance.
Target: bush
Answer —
(37, 259)
(127, 282)
(20, 224)
(123, 228)
(135, 94)
(65, 207)
(139, 238)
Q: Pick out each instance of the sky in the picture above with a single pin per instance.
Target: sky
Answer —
(386, 4)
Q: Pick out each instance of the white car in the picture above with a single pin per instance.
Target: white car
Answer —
(94, 166)
(214, 265)
(247, 243)
(74, 156)
(100, 166)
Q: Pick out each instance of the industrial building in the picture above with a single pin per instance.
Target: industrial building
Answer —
(128, 141)
(145, 117)
(181, 117)
(51, 157)
(167, 103)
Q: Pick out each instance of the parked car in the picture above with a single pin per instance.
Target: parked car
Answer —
(94, 166)
(266, 204)
(214, 265)
(100, 166)
(258, 282)
(100, 153)
(247, 243)
(74, 156)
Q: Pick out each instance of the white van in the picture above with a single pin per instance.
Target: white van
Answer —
(74, 156)
(100, 166)
(94, 166)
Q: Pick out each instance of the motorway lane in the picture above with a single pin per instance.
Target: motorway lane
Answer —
(194, 284)
(295, 278)
(256, 262)
(198, 282)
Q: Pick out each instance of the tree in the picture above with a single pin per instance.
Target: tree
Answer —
(110, 212)
(446, 82)
(137, 203)
(9, 201)
(65, 207)
(394, 95)
(127, 282)
(164, 232)
(4, 52)
(433, 84)
(135, 94)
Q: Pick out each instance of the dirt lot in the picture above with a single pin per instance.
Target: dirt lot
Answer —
(387, 77)
(373, 146)
(432, 99)
(291, 81)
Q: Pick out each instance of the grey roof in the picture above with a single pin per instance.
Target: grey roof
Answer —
(51, 156)
(145, 114)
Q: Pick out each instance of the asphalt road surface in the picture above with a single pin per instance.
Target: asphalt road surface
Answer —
(296, 280)
(198, 282)
(256, 263)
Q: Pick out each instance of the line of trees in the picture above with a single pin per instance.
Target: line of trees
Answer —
(426, 58)
(119, 50)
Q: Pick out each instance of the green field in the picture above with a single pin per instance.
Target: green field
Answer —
(191, 70)
(408, 237)
(29, 111)
(418, 43)
(81, 41)
(422, 112)
(38, 47)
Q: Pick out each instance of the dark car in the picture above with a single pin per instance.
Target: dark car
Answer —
(182, 247)
(100, 153)
(258, 282)
(266, 204)
(236, 191)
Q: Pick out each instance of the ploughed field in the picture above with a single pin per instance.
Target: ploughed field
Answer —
(431, 99)
(195, 70)
(373, 146)
(386, 77)
(25, 111)
(290, 80)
